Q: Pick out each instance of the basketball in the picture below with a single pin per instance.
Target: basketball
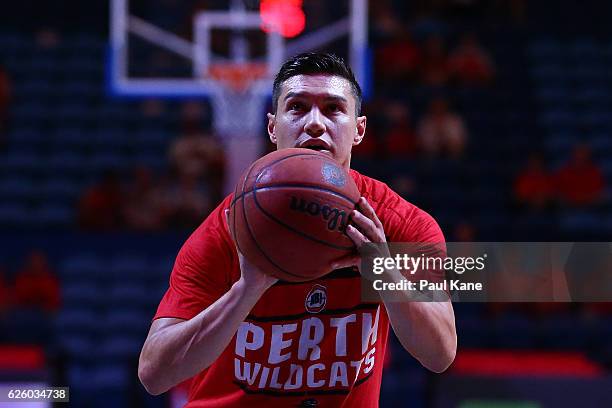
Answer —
(289, 213)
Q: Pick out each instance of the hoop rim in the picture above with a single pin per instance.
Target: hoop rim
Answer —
(238, 76)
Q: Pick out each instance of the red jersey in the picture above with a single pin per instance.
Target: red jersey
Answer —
(310, 344)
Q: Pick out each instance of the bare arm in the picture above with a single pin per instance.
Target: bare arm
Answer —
(177, 349)
(425, 329)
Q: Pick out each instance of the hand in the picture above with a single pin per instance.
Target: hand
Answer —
(251, 275)
(367, 229)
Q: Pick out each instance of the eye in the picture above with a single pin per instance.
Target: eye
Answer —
(296, 106)
(334, 108)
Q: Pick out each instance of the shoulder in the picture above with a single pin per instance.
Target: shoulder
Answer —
(214, 226)
(402, 220)
(211, 242)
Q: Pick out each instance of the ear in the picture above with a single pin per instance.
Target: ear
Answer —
(360, 130)
(271, 127)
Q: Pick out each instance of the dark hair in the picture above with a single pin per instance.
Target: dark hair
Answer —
(312, 63)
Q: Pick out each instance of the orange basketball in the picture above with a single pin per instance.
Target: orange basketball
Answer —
(289, 213)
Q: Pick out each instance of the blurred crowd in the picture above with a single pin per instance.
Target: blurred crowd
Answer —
(420, 61)
(440, 133)
(430, 61)
(34, 285)
(578, 183)
(178, 197)
(5, 94)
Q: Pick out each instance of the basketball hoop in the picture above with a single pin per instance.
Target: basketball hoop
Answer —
(238, 77)
(238, 100)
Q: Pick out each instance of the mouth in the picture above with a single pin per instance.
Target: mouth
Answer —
(316, 145)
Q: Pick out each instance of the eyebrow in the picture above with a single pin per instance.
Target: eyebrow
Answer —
(305, 94)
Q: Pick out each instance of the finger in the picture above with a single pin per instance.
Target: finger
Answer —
(361, 221)
(368, 211)
(367, 227)
(356, 236)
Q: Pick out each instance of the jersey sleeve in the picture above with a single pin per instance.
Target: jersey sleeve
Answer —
(203, 271)
(419, 227)
(419, 233)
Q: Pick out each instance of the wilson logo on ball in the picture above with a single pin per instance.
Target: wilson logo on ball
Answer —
(336, 218)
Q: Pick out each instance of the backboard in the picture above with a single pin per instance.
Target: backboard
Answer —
(228, 51)
(167, 48)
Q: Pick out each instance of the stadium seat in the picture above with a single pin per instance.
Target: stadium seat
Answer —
(27, 136)
(559, 119)
(77, 320)
(126, 266)
(101, 162)
(77, 347)
(113, 140)
(53, 216)
(545, 49)
(14, 215)
(128, 295)
(584, 50)
(60, 190)
(564, 333)
(27, 325)
(36, 89)
(110, 383)
(554, 95)
(515, 331)
(119, 347)
(66, 163)
(20, 163)
(591, 97)
(17, 187)
(82, 293)
(83, 267)
(552, 74)
(126, 320)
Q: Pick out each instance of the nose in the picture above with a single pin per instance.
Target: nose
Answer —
(314, 125)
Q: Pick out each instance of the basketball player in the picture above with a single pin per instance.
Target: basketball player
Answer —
(253, 341)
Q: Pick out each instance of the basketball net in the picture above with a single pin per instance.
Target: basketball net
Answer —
(238, 120)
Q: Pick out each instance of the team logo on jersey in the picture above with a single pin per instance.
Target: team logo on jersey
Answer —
(316, 299)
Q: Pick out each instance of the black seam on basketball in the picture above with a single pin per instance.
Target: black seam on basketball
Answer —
(263, 168)
(231, 219)
(297, 185)
(243, 211)
(243, 193)
(307, 187)
(290, 228)
(246, 220)
(265, 255)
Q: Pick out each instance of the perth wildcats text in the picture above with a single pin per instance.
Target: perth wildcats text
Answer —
(323, 352)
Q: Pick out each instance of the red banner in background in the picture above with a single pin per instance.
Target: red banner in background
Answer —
(525, 363)
(18, 357)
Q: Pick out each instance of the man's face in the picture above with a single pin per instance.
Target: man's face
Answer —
(317, 112)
